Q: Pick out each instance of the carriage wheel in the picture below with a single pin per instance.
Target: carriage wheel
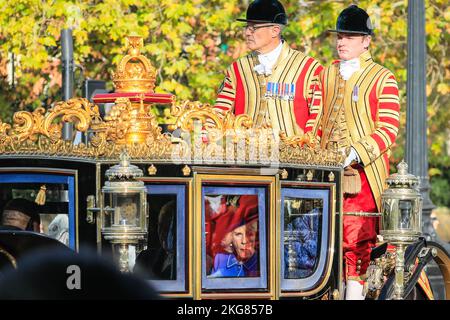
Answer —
(435, 254)
(7, 259)
(442, 259)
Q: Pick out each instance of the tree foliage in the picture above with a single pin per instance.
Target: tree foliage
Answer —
(191, 42)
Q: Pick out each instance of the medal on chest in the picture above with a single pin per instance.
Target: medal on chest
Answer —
(355, 94)
(280, 90)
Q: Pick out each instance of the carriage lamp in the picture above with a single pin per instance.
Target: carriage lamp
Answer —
(123, 211)
(401, 207)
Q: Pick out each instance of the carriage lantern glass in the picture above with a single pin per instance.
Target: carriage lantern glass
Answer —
(123, 211)
(401, 205)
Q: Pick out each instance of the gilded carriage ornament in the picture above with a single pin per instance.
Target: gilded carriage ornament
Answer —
(152, 170)
(135, 73)
(187, 112)
(40, 132)
(206, 136)
(29, 125)
(186, 170)
(129, 123)
(331, 177)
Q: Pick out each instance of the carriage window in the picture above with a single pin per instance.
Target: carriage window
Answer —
(54, 212)
(301, 236)
(55, 193)
(232, 242)
(163, 260)
(159, 259)
(234, 245)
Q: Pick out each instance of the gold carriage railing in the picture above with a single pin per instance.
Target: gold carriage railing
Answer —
(205, 137)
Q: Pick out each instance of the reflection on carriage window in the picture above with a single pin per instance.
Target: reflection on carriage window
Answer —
(158, 261)
(126, 205)
(232, 239)
(301, 236)
(405, 208)
(56, 226)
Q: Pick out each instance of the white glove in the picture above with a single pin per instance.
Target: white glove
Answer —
(354, 290)
(353, 156)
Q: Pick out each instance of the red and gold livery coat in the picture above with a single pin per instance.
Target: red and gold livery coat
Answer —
(371, 109)
(363, 113)
(292, 89)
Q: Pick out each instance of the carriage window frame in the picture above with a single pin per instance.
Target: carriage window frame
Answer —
(233, 283)
(57, 178)
(179, 190)
(320, 274)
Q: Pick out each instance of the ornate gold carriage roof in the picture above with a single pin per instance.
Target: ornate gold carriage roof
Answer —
(203, 135)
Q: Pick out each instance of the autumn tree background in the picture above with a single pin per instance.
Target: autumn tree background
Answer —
(191, 42)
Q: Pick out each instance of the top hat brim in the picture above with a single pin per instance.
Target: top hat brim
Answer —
(254, 21)
(348, 31)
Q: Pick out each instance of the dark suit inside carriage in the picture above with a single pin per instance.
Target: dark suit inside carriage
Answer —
(159, 261)
(15, 244)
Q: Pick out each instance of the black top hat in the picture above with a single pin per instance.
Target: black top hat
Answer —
(266, 11)
(353, 20)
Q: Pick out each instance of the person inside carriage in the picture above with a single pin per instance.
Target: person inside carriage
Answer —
(159, 261)
(234, 241)
(20, 214)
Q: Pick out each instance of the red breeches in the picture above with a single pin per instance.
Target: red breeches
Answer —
(359, 232)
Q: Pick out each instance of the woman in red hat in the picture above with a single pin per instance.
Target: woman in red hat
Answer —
(238, 238)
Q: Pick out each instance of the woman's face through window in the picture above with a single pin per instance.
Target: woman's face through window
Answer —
(244, 240)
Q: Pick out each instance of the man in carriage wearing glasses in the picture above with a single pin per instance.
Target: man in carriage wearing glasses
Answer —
(274, 84)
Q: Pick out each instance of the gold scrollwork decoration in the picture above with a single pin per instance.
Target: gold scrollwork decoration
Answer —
(78, 111)
(5, 139)
(242, 121)
(307, 139)
(222, 139)
(29, 125)
(188, 111)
